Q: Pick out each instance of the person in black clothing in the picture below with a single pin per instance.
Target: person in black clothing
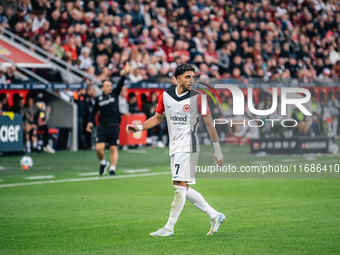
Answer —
(3, 100)
(133, 107)
(18, 104)
(109, 119)
(90, 99)
(79, 99)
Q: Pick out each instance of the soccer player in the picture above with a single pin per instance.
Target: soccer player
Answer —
(182, 110)
(109, 119)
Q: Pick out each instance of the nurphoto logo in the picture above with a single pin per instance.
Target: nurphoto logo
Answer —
(239, 106)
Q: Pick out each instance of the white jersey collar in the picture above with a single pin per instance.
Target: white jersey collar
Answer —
(181, 95)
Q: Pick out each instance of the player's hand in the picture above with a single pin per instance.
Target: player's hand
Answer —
(219, 162)
(127, 68)
(130, 129)
(89, 127)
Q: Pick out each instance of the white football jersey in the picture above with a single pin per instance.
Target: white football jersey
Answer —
(183, 113)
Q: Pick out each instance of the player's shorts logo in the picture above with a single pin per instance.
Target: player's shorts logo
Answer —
(186, 108)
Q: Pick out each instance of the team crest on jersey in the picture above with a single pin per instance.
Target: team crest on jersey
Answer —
(186, 108)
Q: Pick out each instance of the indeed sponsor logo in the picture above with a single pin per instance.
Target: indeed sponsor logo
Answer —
(178, 118)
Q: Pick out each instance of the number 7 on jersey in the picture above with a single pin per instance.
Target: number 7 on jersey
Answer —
(177, 168)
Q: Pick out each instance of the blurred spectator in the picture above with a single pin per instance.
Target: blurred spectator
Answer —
(223, 59)
(30, 124)
(334, 108)
(18, 104)
(327, 120)
(43, 114)
(325, 76)
(211, 55)
(303, 126)
(38, 21)
(66, 95)
(79, 99)
(199, 42)
(58, 49)
(123, 103)
(89, 104)
(336, 70)
(70, 47)
(133, 107)
(3, 18)
(3, 100)
(84, 58)
(9, 5)
(3, 79)
(138, 75)
(10, 75)
(316, 114)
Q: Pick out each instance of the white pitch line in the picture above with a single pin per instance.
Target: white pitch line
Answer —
(132, 171)
(2, 168)
(89, 174)
(83, 179)
(137, 151)
(39, 177)
(129, 171)
(260, 162)
(310, 158)
(289, 160)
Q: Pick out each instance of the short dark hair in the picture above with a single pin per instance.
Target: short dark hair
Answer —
(132, 95)
(182, 68)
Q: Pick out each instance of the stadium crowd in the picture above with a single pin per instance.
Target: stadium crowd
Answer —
(223, 39)
(270, 39)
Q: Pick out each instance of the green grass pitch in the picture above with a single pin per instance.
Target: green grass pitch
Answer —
(74, 212)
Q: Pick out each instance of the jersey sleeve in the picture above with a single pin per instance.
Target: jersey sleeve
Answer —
(160, 107)
(199, 106)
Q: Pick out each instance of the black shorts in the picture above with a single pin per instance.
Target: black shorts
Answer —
(108, 134)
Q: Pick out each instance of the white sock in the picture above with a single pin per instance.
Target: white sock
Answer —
(113, 168)
(176, 206)
(35, 144)
(329, 128)
(103, 162)
(197, 200)
(28, 145)
(335, 127)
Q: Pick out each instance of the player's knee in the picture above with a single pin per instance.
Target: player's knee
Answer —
(114, 149)
(180, 183)
(99, 149)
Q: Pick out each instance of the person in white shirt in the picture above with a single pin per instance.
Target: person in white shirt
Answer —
(3, 79)
(38, 22)
(85, 59)
(182, 107)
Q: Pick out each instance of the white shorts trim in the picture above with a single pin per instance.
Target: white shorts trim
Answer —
(183, 166)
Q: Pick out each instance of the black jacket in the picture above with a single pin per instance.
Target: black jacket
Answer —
(107, 105)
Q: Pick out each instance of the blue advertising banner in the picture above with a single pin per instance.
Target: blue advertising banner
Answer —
(11, 132)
